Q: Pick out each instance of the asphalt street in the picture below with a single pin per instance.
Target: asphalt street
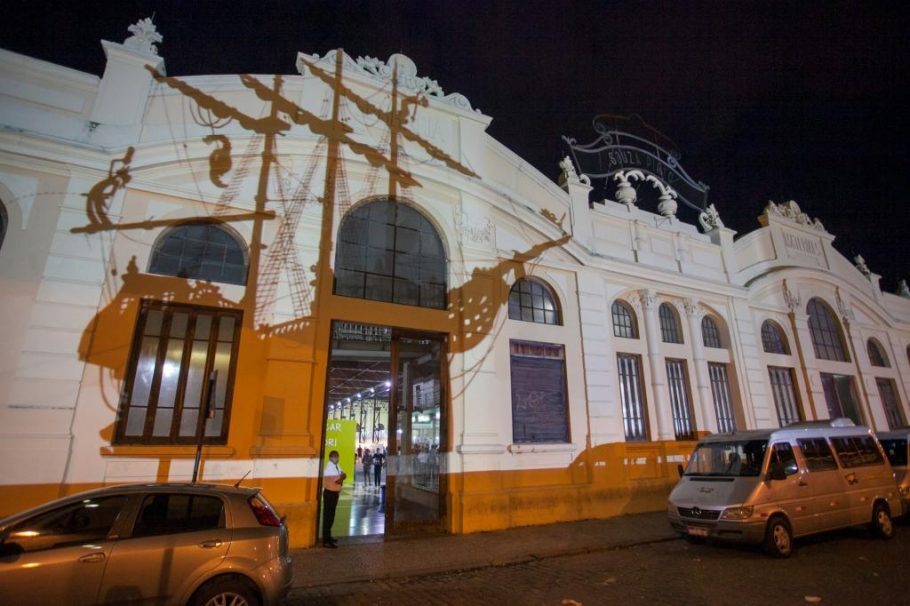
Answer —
(843, 568)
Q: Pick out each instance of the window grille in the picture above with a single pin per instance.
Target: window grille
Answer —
(723, 406)
(200, 251)
(624, 323)
(826, 334)
(669, 324)
(683, 423)
(632, 397)
(773, 339)
(533, 301)
(390, 252)
(710, 334)
(784, 395)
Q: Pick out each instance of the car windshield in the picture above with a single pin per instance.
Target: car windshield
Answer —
(896, 450)
(734, 459)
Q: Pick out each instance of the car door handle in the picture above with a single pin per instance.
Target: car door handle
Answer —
(92, 557)
(851, 478)
(210, 544)
(803, 483)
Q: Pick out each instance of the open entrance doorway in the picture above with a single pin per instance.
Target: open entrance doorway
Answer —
(386, 415)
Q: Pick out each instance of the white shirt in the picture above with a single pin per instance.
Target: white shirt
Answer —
(331, 477)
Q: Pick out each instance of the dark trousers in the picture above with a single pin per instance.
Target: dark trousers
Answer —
(377, 473)
(329, 503)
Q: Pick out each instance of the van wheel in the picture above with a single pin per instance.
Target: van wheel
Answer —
(881, 525)
(778, 538)
(225, 591)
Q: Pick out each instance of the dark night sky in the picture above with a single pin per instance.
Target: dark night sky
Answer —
(793, 100)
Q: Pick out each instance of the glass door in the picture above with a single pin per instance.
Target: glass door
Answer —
(415, 487)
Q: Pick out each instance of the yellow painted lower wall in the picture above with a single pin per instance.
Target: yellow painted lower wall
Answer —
(605, 481)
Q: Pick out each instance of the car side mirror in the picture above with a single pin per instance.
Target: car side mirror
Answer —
(680, 470)
(776, 472)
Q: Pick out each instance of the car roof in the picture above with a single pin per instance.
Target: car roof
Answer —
(138, 488)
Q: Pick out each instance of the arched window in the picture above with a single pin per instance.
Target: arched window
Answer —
(877, 355)
(390, 252)
(200, 251)
(773, 339)
(669, 324)
(533, 301)
(826, 333)
(624, 323)
(709, 333)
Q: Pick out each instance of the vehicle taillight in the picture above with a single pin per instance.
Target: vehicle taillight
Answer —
(264, 512)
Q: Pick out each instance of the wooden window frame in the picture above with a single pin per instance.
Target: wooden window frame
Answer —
(169, 308)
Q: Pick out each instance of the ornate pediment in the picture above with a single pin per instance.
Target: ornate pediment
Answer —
(382, 71)
(791, 211)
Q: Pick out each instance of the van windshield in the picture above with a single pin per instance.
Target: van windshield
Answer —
(732, 459)
(896, 450)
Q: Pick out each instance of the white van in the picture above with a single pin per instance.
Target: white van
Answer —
(896, 445)
(771, 485)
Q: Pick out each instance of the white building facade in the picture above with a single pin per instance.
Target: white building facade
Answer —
(257, 237)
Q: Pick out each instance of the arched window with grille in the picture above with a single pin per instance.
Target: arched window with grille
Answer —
(531, 300)
(773, 339)
(710, 334)
(388, 251)
(827, 338)
(624, 322)
(200, 251)
(669, 324)
(877, 356)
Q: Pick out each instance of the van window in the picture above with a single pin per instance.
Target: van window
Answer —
(857, 451)
(782, 454)
(896, 451)
(817, 453)
(743, 458)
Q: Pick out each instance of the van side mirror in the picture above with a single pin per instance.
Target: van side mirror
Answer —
(776, 472)
(680, 470)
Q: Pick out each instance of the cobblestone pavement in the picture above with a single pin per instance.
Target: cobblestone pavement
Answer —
(847, 567)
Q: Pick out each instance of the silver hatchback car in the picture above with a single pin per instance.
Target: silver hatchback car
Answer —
(194, 544)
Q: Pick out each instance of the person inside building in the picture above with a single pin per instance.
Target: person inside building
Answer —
(378, 460)
(367, 466)
(332, 481)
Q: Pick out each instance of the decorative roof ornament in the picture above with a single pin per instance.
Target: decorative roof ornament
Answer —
(902, 289)
(625, 193)
(791, 210)
(377, 69)
(667, 198)
(710, 219)
(145, 37)
(569, 173)
(861, 265)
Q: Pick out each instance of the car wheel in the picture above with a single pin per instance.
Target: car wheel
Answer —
(778, 538)
(226, 591)
(882, 526)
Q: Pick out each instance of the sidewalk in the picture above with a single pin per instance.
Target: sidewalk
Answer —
(360, 560)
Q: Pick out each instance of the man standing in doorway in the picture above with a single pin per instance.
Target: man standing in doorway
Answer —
(332, 480)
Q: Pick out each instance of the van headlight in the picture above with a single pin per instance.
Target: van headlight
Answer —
(737, 513)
